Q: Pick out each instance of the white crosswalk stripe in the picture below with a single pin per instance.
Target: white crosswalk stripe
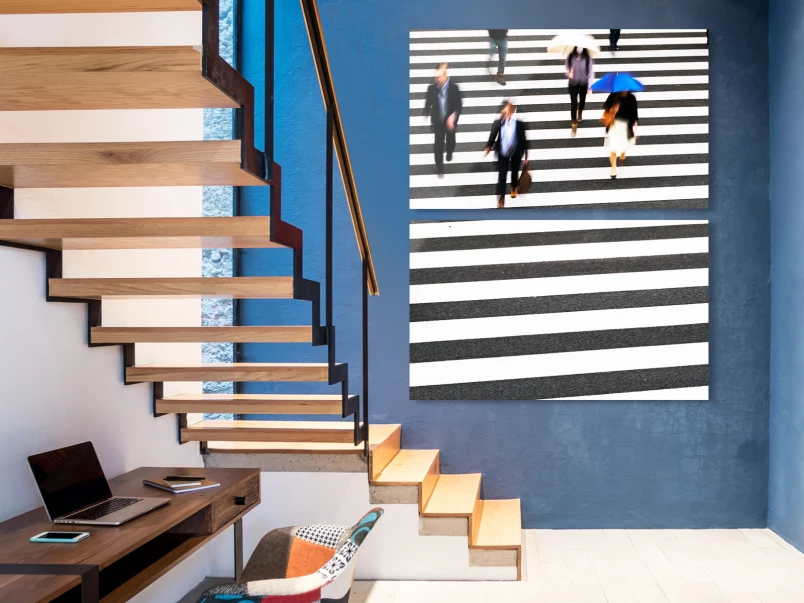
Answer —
(668, 166)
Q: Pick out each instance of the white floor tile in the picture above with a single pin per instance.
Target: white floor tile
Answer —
(627, 566)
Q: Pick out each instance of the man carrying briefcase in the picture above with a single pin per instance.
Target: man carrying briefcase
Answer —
(509, 140)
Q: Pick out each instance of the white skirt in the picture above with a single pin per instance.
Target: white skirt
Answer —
(617, 139)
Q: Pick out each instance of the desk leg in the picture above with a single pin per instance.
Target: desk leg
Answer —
(238, 549)
(90, 586)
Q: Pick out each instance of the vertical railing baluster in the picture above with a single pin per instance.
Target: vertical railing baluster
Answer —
(365, 397)
(329, 235)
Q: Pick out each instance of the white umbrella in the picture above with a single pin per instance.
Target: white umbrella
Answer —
(567, 43)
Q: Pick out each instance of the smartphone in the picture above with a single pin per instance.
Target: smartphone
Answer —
(67, 537)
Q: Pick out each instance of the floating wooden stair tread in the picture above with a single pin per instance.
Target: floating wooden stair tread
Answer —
(113, 335)
(500, 525)
(254, 404)
(92, 164)
(271, 431)
(214, 371)
(150, 77)
(239, 287)
(408, 467)
(10, 7)
(454, 496)
(378, 434)
(140, 233)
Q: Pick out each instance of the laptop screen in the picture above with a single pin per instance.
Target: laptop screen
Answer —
(69, 478)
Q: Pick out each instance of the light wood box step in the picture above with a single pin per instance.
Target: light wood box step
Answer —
(249, 371)
(238, 287)
(92, 78)
(454, 496)
(110, 164)
(121, 335)
(266, 404)
(140, 233)
(417, 468)
(378, 435)
(500, 525)
(271, 431)
(10, 7)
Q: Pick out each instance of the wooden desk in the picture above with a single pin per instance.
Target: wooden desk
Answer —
(134, 555)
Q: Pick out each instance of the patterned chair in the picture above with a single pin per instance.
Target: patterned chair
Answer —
(299, 565)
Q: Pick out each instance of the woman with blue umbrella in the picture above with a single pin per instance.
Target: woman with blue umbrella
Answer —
(620, 114)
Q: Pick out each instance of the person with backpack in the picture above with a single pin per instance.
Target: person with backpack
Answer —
(580, 70)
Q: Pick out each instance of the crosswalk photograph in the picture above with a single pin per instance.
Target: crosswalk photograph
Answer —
(570, 309)
(650, 85)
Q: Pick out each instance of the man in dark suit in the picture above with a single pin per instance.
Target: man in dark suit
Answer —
(443, 105)
(509, 140)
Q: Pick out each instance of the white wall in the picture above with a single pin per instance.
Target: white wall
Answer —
(54, 390)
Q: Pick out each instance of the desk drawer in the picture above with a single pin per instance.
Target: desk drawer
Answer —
(213, 517)
(231, 505)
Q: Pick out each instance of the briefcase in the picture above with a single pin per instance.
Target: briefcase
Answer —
(524, 182)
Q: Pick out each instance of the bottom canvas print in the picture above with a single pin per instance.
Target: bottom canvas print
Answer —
(543, 310)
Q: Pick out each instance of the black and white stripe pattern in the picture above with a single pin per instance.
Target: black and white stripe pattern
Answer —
(535, 310)
(668, 168)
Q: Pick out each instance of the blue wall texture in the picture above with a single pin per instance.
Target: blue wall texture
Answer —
(574, 464)
(786, 514)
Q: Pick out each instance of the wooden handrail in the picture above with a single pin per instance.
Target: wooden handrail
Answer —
(315, 34)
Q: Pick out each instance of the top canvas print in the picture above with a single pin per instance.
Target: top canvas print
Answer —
(597, 118)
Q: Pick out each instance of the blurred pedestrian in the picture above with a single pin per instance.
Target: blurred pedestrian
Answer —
(622, 133)
(498, 42)
(509, 140)
(443, 105)
(614, 40)
(580, 70)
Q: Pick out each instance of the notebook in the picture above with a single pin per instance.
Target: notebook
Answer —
(180, 488)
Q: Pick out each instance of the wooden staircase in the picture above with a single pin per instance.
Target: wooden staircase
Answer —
(185, 77)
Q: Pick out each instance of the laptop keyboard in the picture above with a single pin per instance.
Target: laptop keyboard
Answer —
(105, 508)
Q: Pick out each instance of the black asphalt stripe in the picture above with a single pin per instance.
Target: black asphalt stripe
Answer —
(566, 143)
(559, 237)
(563, 124)
(568, 386)
(558, 164)
(595, 103)
(552, 304)
(556, 343)
(513, 79)
(581, 186)
(436, 52)
(666, 204)
(511, 92)
(552, 61)
(500, 272)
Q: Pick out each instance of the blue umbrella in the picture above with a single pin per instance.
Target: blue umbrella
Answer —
(617, 82)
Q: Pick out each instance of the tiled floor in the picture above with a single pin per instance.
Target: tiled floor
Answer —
(627, 566)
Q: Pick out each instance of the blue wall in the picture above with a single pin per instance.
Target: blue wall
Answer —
(574, 464)
(786, 514)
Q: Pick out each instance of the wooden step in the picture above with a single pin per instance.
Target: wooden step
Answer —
(252, 404)
(151, 77)
(419, 468)
(92, 164)
(10, 7)
(342, 432)
(500, 525)
(214, 371)
(378, 435)
(115, 335)
(454, 496)
(140, 233)
(239, 287)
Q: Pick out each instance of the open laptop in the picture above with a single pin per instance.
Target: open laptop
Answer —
(74, 489)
